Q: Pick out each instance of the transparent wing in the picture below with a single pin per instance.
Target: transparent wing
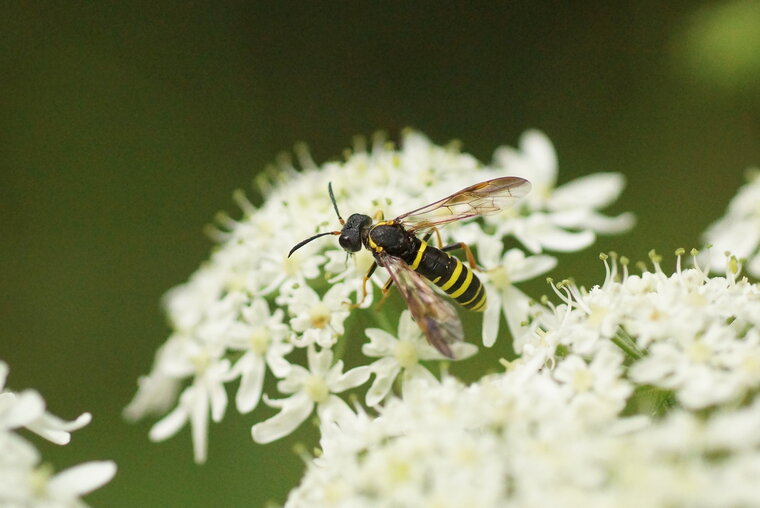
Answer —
(483, 198)
(436, 317)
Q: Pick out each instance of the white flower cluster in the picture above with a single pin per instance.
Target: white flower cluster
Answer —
(585, 417)
(738, 231)
(695, 336)
(26, 482)
(247, 312)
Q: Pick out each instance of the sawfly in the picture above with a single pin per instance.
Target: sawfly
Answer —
(410, 260)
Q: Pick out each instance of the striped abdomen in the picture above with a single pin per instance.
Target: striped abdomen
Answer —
(449, 274)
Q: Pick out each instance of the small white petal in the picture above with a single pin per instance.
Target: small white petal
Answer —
(57, 430)
(740, 239)
(3, 374)
(529, 238)
(532, 267)
(81, 479)
(251, 383)
(156, 393)
(591, 191)
(294, 411)
(537, 147)
(491, 317)
(516, 305)
(18, 450)
(218, 398)
(489, 251)
(463, 350)
(564, 241)
(319, 362)
(295, 379)
(169, 425)
(279, 366)
(199, 423)
(335, 372)
(414, 377)
(7, 399)
(386, 370)
(350, 379)
(380, 343)
(610, 225)
(334, 410)
(22, 408)
(407, 327)
(586, 218)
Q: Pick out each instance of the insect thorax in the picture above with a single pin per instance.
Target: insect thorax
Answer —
(392, 239)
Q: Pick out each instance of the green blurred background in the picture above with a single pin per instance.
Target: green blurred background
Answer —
(125, 126)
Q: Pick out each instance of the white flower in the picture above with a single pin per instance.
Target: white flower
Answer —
(205, 394)
(513, 439)
(598, 387)
(403, 354)
(27, 409)
(256, 299)
(557, 218)
(642, 390)
(156, 393)
(318, 319)
(55, 429)
(738, 231)
(186, 305)
(694, 335)
(23, 480)
(40, 487)
(500, 275)
(261, 335)
(315, 386)
(280, 270)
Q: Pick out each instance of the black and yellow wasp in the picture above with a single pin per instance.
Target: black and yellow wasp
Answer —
(395, 247)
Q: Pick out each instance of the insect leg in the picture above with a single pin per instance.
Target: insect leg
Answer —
(437, 235)
(364, 284)
(470, 258)
(386, 291)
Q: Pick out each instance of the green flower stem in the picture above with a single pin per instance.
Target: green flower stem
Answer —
(627, 343)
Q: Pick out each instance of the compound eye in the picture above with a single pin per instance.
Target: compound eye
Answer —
(349, 243)
(345, 242)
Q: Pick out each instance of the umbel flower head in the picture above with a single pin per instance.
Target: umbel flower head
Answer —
(251, 311)
(639, 392)
(24, 479)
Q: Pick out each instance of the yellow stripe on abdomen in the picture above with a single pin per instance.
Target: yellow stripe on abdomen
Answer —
(454, 276)
(418, 257)
(464, 286)
(450, 274)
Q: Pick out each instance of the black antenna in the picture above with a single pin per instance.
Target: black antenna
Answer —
(304, 242)
(342, 222)
(335, 205)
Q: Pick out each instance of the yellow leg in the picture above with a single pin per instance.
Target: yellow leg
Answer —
(386, 290)
(434, 230)
(468, 253)
(364, 286)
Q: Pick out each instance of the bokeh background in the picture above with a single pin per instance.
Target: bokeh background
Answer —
(125, 126)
